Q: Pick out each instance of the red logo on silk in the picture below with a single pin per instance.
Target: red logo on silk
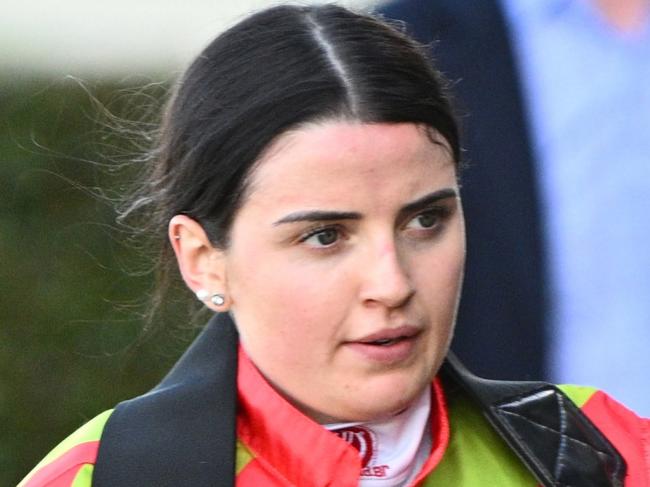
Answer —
(360, 438)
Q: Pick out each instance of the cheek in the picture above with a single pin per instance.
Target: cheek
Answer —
(277, 283)
(286, 302)
(440, 279)
(289, 320)
(452, 260)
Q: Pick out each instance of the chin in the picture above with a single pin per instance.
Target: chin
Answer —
(386, 400)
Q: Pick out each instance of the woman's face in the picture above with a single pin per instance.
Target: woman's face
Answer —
(345, 264)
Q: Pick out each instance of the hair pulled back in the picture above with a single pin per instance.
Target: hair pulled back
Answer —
(274, 71)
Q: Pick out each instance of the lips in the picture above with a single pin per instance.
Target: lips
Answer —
(389, 335)
(388, 346)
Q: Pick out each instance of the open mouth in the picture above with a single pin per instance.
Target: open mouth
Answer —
(389, 337)
(384, 342)
(388, 346)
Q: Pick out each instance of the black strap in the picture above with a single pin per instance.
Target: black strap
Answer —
(183, 431)
(553, 438)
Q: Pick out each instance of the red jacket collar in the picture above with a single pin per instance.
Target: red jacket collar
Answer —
(277, 433)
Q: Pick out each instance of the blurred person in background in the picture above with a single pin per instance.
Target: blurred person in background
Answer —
(557, 133)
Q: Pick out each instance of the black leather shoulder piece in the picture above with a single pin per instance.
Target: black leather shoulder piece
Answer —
(183, 431)
(553, 438)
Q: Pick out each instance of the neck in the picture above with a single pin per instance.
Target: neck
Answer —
(625, 15)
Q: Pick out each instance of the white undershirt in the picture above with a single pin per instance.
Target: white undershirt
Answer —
(392, 451)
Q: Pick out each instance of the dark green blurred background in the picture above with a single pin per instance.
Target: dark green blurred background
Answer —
(70, 300)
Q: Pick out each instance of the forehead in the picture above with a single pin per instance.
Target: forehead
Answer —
(341, 159)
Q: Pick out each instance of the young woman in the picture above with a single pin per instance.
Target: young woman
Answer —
(306, 179)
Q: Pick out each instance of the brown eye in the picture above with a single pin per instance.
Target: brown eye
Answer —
(327, 237)
(324, 237)
(430, 219)
(427, 220)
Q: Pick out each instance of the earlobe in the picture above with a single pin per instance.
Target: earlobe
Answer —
(201, 264)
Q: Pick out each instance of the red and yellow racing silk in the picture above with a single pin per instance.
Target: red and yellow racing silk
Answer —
(279, 446)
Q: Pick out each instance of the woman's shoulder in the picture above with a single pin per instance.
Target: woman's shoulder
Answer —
(610, 416)
(71, 463)
(628, 432)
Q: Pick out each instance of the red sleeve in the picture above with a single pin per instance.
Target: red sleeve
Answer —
(62, 471)
(629, 433)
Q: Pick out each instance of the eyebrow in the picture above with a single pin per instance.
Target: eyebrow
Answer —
(321, 215)
(318, 216)
(427, 200)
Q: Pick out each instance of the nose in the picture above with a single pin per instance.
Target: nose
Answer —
(386, 279)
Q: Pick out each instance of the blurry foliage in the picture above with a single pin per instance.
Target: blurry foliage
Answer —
(73, 285)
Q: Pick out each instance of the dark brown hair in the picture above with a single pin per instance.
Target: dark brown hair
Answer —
(272, 72)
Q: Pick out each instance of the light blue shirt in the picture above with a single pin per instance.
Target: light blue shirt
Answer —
(587, 87)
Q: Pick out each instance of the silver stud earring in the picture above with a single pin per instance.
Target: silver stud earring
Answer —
(202, 294)
(218, 299)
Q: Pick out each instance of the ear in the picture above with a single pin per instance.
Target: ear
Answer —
(202, 265)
